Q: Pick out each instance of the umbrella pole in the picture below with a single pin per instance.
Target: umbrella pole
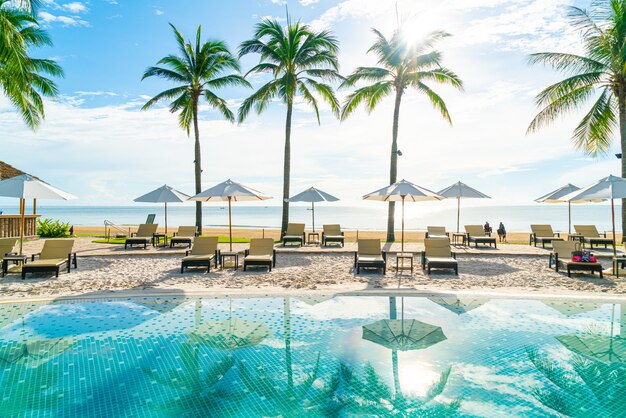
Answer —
(313, 214)
(22, 208)
(34, 206)
(614, 239)
(230, 224)
(458, 213)
(166, 221)
(402, 246)
(569, 217)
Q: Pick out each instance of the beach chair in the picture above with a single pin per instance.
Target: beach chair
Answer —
(543, 234)
(294, 233)
(203, 252)
(184, 235)
(332, 233)
(436, 232)
(477, 235)
(150, 219)
(143, 236)
(592, 237)
(561, 257)
(438, 254)
(6, 246)
(369, 255)
(54, 254)
(260, 253)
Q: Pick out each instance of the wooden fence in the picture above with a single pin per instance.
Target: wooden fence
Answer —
(10, 225)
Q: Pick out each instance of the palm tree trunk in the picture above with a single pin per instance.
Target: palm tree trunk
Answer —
(286, 170)
(393, 171)
(621, 100)
(197, 164)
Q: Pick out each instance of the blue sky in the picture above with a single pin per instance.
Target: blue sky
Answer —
(97, 144)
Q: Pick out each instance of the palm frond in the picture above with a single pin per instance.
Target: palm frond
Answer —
(370, 96)
(565, 103)
(436, 101)
(594, 133)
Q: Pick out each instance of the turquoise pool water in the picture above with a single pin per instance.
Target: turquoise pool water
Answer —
(312, 356)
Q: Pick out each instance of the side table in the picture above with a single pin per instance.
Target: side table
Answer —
(233, 256)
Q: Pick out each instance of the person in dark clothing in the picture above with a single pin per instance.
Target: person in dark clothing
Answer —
(502, 232)
(488, 228)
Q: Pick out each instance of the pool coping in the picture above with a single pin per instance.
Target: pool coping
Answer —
(220, 294)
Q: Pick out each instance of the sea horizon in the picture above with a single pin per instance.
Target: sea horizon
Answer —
(514, 217)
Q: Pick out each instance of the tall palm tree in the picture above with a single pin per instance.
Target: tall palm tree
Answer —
(24, 79)
(599, 76)
(198, 71)
(402, 65)
(299, 60)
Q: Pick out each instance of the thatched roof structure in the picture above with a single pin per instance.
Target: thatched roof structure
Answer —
(7, 171)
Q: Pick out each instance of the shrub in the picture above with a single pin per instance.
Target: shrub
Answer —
(50, 228)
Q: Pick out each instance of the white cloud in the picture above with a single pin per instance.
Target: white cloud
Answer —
(279, 2)
(75, 7)
(307, 2)
(158, 12)
(65, 21)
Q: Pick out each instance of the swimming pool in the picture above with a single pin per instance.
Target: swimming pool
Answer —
(312, 356)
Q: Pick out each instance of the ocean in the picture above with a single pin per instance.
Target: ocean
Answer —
(418, 216)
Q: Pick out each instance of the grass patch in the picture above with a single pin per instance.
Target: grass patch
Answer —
(123, 240)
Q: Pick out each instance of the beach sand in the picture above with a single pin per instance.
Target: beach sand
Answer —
(106, 269)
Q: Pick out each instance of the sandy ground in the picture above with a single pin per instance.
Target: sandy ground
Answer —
(107, 268)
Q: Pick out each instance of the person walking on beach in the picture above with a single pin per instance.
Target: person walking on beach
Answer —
(502, 232)
(488, 229)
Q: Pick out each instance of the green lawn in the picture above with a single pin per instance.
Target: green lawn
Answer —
(122, 240)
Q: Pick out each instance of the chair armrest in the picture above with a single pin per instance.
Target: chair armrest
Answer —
(246, 252)
(174, 234)
(187, 252)
(426, 234)
(132, 234)
(453, 255)
(32, 257)
(448, 234)
(557, 234)
(604, 234)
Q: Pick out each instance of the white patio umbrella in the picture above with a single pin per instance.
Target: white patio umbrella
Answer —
(313, 195)
(164, 194)
(461, 191)
(27, 187)
(608, 188)
(401, 191)
(229, 191)
(557, 196)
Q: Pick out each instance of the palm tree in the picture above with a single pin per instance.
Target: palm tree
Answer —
(598, 75)
(23, 79)
(198, 71)
(403, 65)
(299, 60)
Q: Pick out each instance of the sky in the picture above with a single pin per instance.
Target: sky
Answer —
(97, 144)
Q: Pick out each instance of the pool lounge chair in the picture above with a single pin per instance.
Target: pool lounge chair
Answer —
(261, 253)
(543, 234)
(592, 237)
(332, 233)
(6, 246)
(203, 252)
(438, 254)
(150, 218)
(143, 236)
(561, 257)
(54, 254)
(476, 234)
(436, 232)
(369, 255)
(294, 233)
(184, 235)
